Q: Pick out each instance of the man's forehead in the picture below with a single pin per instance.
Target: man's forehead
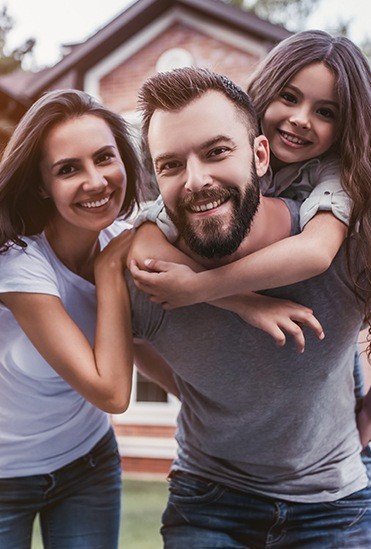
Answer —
(200, 121)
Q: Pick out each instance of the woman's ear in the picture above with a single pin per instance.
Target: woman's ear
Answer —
(42, 193)
(261, 154)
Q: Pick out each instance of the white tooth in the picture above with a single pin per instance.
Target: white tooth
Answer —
(95, 204)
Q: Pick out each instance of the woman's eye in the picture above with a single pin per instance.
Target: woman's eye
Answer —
(326, 113)
(104, 157)
(68, 169)
(287, 96)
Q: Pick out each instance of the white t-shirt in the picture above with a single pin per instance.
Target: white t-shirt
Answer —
(44, 423)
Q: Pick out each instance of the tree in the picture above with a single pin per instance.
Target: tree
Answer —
(11, 61)
(290, 13)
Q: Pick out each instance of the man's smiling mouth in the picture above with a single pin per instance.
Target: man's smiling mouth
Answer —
(197, 208)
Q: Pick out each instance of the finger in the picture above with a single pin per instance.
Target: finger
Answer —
(277, 334)
(143, 276)
(157, 265)
(294, 330)
(311, 322)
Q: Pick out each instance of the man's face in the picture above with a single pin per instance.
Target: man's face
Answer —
(204, 163)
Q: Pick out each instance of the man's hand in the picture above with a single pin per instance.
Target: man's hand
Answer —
(170, 284)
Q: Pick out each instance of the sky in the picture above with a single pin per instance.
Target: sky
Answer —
(53, 22)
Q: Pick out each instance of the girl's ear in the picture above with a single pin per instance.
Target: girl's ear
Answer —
(261, 155)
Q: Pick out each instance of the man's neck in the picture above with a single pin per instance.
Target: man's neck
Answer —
(272, 222)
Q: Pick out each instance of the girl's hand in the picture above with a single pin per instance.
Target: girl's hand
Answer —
(170, 284)
(114, 255)
(275, 316)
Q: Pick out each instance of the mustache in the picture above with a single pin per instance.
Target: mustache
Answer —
(210, 195)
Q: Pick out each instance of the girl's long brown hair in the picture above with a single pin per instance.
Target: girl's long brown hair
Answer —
(353, 78)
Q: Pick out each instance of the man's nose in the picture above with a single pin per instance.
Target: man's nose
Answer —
(197, 175)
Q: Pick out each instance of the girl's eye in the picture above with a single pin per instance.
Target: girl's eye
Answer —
(67, 169)
(287, 96)
(326, 113)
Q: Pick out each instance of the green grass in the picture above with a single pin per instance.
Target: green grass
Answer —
(142, 505)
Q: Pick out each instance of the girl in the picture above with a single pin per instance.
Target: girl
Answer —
(312, 94)
(65, 334)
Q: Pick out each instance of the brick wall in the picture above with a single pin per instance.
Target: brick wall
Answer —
(118, 90)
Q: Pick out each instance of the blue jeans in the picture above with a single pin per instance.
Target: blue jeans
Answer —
(78, 505)
(204, 515)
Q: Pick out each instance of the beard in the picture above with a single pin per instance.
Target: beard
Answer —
(216, 236)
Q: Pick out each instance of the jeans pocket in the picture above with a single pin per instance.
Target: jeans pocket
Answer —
(185, 488)
(351, 509)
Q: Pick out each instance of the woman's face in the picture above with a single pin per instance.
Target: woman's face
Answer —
(83, 173)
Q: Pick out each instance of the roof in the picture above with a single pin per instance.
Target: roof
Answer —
(120, 29)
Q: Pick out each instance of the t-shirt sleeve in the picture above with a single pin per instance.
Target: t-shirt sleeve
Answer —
(327, 195)
(155, 212)
(27, 270)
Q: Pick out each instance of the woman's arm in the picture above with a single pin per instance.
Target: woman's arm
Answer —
(101, 374)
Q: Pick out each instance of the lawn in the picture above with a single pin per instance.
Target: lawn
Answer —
(143, 503)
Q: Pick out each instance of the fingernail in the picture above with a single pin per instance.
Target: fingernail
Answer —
(147, 262)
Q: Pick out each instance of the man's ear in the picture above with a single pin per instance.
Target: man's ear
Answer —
(261, 154)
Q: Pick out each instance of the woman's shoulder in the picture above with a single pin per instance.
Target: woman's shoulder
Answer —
(24, 267)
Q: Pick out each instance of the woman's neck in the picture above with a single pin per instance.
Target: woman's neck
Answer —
(76, 251)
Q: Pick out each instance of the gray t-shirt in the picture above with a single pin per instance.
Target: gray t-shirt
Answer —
(256, 417)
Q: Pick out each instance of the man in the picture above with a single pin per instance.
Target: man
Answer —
(268, 445)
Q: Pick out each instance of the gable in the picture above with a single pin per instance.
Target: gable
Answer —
(195, 40)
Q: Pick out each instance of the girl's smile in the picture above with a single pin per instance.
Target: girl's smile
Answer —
(302, 121)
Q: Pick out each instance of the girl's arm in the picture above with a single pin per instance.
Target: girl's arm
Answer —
(274, 316)
(101, 374)
(285, 262)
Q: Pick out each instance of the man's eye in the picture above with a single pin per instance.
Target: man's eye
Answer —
(326, 113)
(218, 151)
(289, 97)
(171, 165)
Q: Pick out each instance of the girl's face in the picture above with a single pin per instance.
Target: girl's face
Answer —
(303, 119)
(83, 173)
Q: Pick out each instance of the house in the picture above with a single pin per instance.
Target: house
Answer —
(150, 36)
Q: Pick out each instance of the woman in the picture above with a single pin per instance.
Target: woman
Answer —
(66, 348)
